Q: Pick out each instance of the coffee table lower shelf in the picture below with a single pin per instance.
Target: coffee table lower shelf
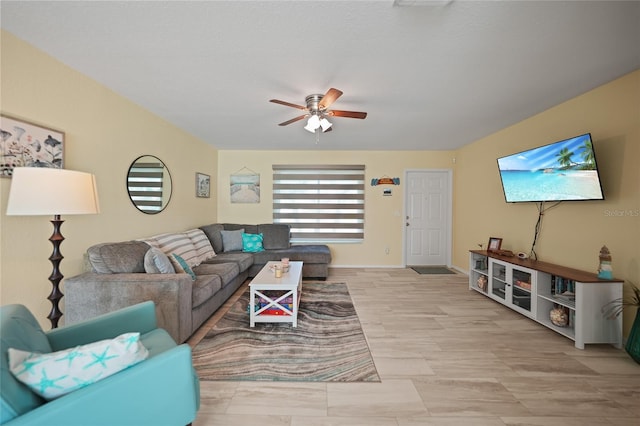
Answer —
(281, 295)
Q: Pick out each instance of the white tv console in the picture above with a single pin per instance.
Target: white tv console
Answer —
(533, 288)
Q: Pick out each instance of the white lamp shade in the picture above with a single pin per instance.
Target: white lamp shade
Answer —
(312, 124)
(325, 124)
(48, 191)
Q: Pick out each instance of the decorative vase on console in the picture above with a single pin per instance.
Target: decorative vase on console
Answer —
(604, 270)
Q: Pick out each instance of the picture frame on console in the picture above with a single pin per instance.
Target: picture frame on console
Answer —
(494, 244)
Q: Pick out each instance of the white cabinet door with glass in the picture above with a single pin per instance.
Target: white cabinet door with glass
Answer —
(478, 272)
(512, 285)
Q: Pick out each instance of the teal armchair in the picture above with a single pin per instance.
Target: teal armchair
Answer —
(161, 390)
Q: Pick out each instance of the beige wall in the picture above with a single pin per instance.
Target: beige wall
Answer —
(573, 232)
(104, 134)
(383, 215)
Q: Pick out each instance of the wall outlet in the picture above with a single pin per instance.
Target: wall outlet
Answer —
(386, 250)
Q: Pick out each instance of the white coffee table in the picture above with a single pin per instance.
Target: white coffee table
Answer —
(288, 286)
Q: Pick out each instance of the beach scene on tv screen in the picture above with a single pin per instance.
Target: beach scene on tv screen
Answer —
(560, 171)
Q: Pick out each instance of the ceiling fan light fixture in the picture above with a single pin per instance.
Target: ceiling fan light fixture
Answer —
(312, 124)
(325, 124)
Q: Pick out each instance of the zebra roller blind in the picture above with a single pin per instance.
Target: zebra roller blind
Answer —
(321, 203)
(145, 182)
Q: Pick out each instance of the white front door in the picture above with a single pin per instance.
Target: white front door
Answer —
(428, 217)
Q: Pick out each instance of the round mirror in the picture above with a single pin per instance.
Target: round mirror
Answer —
(149, 184)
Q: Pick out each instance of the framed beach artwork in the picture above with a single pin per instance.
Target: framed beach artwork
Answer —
(26, 144)
(245, 186)
(203, 185)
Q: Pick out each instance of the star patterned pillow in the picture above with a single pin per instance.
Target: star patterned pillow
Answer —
(54, 374)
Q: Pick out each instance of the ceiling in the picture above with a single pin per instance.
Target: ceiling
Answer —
(434, 76)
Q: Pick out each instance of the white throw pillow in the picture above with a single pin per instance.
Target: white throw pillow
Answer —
(55, 374)
(156, 262)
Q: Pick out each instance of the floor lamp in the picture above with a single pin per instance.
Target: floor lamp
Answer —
(48, 191)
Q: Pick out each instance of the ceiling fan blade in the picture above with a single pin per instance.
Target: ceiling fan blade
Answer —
(329, 98)
(293, 120)
(278, 101)
(348, 114)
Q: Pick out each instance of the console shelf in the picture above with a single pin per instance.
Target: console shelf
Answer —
(535, 289)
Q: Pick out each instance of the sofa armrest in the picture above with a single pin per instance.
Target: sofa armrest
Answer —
(91, 294)
(162, 390)
(137, 318)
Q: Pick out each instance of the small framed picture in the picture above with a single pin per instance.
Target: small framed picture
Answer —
(26, 144)
(203, 185)
(494, 244)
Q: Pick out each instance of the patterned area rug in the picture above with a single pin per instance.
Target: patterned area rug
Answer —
(435, 270)
(328, 344)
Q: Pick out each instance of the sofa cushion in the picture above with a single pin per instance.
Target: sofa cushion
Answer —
(243, 260)
(276, 235)
(156, 262)
(18, 329)
(157, 341)
(305, 253)
(204, 288)
(54, 374)
(249, 229)
(202, 244)
(180, 244)
(232, 240)
(118, 258)
(226, 271)
(252, 243)
(213, 233)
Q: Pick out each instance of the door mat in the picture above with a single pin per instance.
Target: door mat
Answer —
(432, 270)
(328, 345)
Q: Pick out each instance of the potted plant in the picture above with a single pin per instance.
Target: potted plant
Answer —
(614, 308)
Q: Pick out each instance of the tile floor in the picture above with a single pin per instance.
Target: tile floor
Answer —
(446, 356)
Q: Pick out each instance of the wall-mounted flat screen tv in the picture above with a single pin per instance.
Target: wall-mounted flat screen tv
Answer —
(561, 171)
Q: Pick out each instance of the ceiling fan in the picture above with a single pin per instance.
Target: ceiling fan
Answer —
(317, 110)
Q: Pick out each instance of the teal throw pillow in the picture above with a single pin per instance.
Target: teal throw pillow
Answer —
(54, 374)
(182, 265)
(252, 243)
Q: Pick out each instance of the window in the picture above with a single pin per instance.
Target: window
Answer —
(322, 203)
(145, 186)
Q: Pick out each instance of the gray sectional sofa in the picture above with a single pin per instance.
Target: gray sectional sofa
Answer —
(188, 275)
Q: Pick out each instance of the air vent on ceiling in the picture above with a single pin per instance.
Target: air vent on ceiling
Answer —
(412, 3)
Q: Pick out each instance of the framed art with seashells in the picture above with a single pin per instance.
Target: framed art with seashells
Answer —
(25, 144)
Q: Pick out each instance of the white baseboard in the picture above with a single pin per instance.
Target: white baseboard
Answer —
(367, 266)
(462, 271)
